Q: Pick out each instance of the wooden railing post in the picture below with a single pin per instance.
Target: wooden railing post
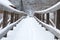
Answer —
(38, 16)
(47, 18)
(12, 18)
(5, 18)
(16, 17)
(58, 19)
(42, 19)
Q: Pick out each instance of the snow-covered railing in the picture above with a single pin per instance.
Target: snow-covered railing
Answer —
(6, 5)
(50, 28)
(50, 9)
(7, 28)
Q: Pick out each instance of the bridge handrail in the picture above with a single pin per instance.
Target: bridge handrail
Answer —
(7, 28)
(9, 8)
(52, 29)
(50, 9)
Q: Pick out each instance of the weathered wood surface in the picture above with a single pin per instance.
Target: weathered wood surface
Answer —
(5, 19)
(47, 18)
(58, 19)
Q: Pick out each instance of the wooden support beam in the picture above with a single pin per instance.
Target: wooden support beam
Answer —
(58, 19)
(12, 18)
(1, 11)
(5, 18)
(16, 17)
(38, 16)
(42, 19)
(47, 18)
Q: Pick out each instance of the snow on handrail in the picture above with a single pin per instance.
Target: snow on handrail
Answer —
(52, 29)
(5, 5)
(50, 9)
(7, 28)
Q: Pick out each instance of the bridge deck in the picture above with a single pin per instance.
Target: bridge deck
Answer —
(29, 29)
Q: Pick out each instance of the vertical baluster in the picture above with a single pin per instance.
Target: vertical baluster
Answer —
(47, 18)
(16, 17)
(58, 20)
(12, 18)
(55, 17)
(35, 14)
(40, 16)
(5, 18)
(42, 19)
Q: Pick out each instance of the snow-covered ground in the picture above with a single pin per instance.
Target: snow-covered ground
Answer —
(29, 29)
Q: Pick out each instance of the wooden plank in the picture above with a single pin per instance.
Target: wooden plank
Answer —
(16, 17)
(2, 12)
(5, 18)
(58, 19)
(47, 18)
(12, 18)
(38, 16)
(43, 17)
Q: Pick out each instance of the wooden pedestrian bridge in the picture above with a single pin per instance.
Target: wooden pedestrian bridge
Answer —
(18, 25)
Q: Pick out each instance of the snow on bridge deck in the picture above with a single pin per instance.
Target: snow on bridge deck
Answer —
(29, 29)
